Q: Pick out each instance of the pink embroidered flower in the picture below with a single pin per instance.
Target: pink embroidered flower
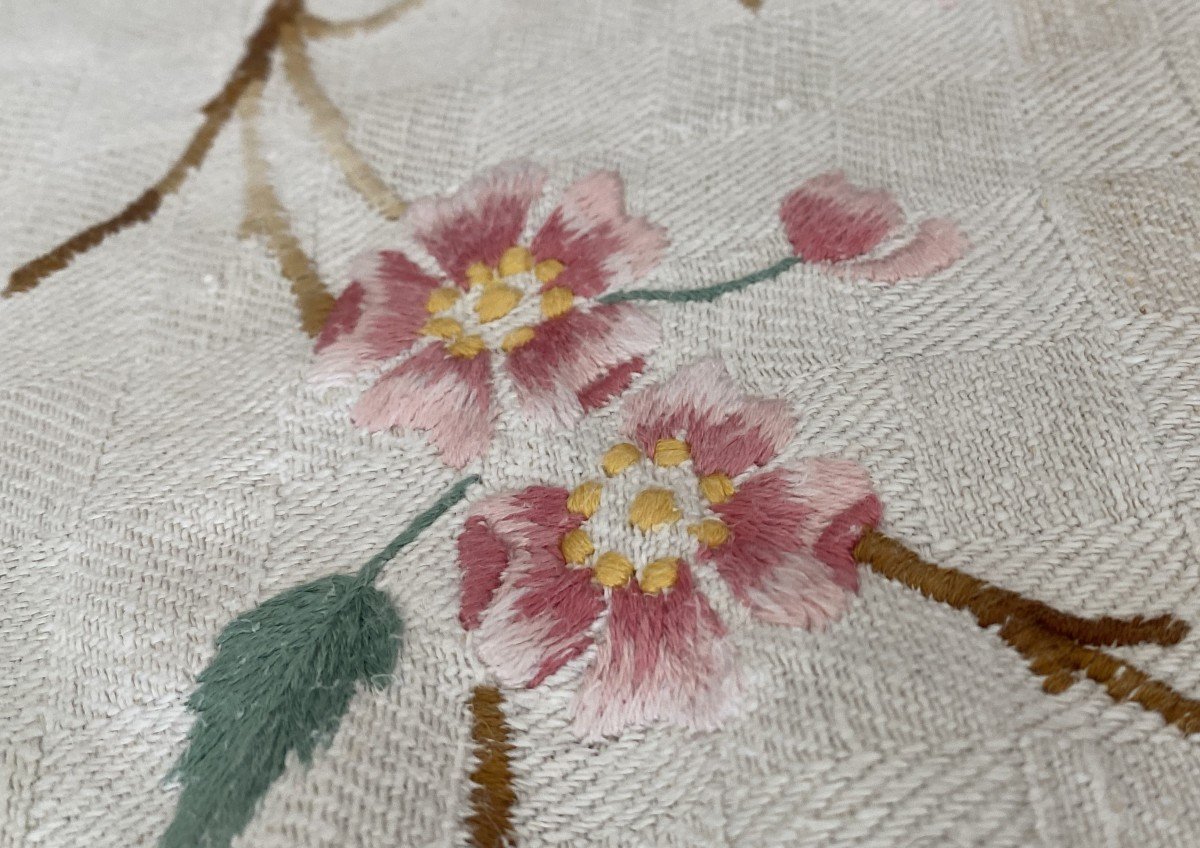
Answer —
(828, 219)
(547, 572)
(497, 297)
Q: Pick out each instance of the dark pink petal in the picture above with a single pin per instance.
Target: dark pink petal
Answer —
(664, 658)
(581, 359)
(728, 432)
(598, 243)
(792, 533)
(343, 317)
(478, 222)
(534, 613)
(938, 244)
(449, 397)
(377, 317)
(828, 219)
(533, 519)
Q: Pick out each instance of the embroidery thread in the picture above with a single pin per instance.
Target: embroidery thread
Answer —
(493, 296)
(1057, 645)
(281, 680)
(832, 222)
(492, 797)
(284, 21)
(541, 566)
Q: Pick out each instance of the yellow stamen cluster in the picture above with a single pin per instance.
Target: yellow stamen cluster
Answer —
(651, 510)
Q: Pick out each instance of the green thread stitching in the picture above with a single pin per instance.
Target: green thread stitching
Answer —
(708, 293)
(375, 564)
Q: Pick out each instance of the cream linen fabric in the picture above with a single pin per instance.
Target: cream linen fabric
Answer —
(1030, 415)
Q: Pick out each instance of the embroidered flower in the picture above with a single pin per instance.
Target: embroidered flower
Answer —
(828, 219)
(497, 297)
(547, 572)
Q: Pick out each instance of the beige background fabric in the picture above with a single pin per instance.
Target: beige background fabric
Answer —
(1029, 415)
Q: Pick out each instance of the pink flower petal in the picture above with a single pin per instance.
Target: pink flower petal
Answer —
(377, 317)
(727, 431)
(478, 222)
(938, 244)
(792, 533)
(598, 243)
(533, 615)
(664, 658)
(446, 396)
(582, 359)
(828, 219)
(532, 519)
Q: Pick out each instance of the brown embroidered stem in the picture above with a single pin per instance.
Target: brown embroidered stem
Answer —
(254, 66)
(993, 605)
(314, 26)
(265, 216)
(752, 5)
(1054, 642)
(492, 797)
(331, 127)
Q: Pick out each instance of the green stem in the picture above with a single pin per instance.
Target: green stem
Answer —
(453, 495)
(708, 293)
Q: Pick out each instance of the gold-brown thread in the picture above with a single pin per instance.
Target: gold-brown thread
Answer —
(331, 126)
(254, 66)
(752, 5)
(1055, 643)
(492, 797)
(315, 26)
(266, 216)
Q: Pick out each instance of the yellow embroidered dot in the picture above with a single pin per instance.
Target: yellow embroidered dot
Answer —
(653, 508)
(515, 260)
(659, 575)
(547, 270)
(710, 532)
(576, 547)
(585, 500)
(442, 298)
(442, 328)
(613, 570)
(716, 488)
(519, 337)
(479, 274)
(619, 457)
(557, 301)
(671, 452)
(497, 301)
(466, 347)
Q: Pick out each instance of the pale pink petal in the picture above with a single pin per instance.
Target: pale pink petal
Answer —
(938, 244)
(377, 317)
(478, 222)
(828, 219)
(449, 397)
(727, 431)
(664, 658)
(581, 360)
(532, 519)
(599, 244)
(792, 533)
(534, 613)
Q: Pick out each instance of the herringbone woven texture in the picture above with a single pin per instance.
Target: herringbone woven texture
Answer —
(1030, 416)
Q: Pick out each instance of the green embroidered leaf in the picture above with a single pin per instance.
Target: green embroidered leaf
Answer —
(282, 678)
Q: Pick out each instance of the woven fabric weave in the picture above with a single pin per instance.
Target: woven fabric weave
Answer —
(1029, 415)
